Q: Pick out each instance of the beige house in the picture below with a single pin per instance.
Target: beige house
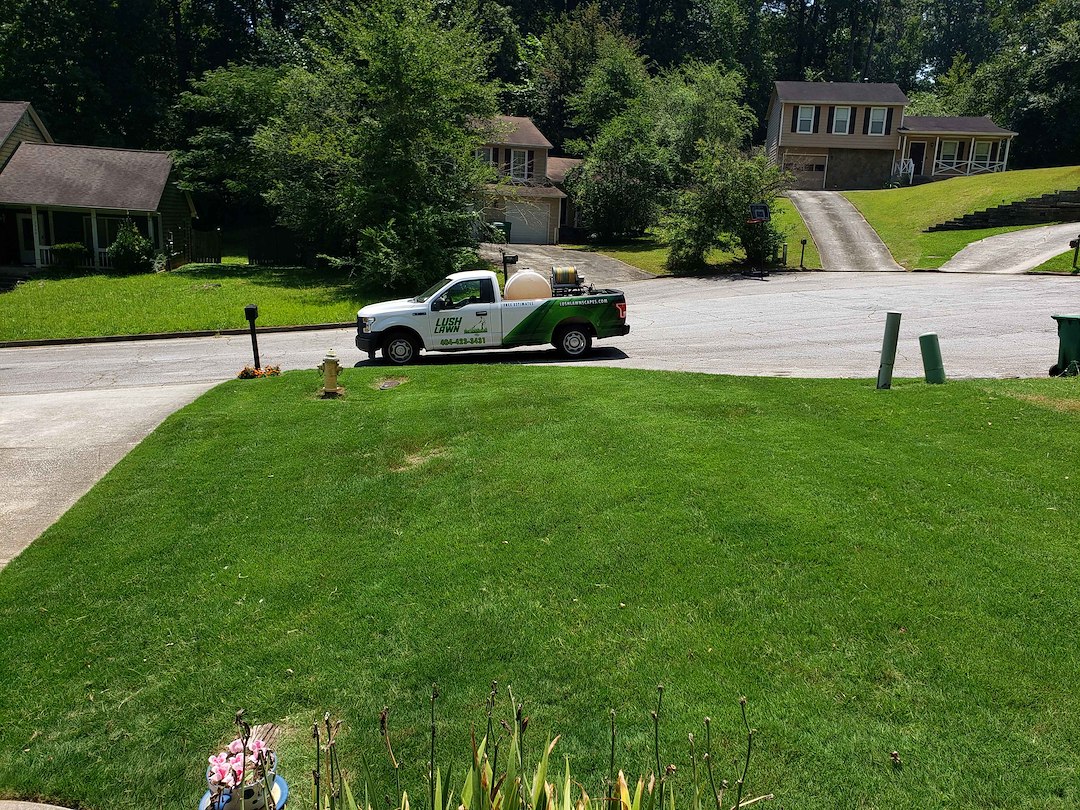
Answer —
(526, 196)
(54, 193)
(848, 135)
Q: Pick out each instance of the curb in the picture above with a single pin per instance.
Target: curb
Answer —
(262, 330)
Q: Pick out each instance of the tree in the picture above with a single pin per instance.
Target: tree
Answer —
(372, 152)
(712, 212)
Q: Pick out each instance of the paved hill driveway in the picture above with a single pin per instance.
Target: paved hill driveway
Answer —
(1015, 252)
(843, 237)
(598, 269)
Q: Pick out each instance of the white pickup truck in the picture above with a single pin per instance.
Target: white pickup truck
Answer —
(467, 311)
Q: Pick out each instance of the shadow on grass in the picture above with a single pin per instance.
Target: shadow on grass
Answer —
(507, 357)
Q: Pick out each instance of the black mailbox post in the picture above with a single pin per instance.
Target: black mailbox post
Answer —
(251, 312)
(802, 254)
(1075, 245)
(508, 258)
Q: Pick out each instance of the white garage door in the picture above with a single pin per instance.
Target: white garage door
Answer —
(528, 222)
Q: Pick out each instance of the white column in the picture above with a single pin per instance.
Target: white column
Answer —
(52, 229)
(971, 157)
(37, 236)
(1005, 162)
(150, 230)
(934, 158)
(94, 247)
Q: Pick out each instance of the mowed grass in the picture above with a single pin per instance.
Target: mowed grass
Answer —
(193, 298)
(875, 571)
(901, 215)
(650, 253)
(1059, 264)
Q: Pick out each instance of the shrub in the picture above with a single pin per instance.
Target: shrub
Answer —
(67, 255)
(131, 252)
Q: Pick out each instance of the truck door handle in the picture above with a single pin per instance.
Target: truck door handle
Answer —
(419, 313)
(482, 313)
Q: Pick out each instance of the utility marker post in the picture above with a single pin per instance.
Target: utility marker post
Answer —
(933, 367)
(251, 312)
(888, 350)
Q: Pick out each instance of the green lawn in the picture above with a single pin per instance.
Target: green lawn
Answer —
(1058, 264)
(650, 253)
(195, 297)
(876, 571)
(900, 215)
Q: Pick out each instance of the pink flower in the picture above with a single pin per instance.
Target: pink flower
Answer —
(237, 764)
(221, 774)
(218, 759)
(236, 746)
(258, 749)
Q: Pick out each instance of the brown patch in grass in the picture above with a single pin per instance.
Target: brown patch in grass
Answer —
(417, 458)
(1059, 405)
(388, 383)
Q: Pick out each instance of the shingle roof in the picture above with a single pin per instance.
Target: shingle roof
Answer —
(557, 167)
(10, 114)
(85, 177)
(953, 124)
(841, 92)
(510, 130)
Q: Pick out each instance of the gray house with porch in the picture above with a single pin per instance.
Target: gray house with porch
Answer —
(54, 194)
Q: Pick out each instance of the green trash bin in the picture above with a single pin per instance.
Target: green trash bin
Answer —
(505, 228)
(1068, 361)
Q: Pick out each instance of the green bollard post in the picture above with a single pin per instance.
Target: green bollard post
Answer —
(933, 367)
(888, 350)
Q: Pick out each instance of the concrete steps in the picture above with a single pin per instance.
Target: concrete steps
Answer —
(1059, 206)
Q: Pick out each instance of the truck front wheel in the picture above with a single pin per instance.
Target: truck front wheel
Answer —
(573, 341)
(400, 348)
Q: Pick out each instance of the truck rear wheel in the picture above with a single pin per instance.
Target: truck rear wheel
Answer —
(573, 341)
(400, 348)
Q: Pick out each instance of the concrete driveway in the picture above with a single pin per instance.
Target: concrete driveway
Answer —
(68, 413)
(598, 269)
(844, 239)
(1015, 252)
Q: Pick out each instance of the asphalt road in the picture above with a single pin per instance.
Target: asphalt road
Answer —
(844, 239)
(68, 413)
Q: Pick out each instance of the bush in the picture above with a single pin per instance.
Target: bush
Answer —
(131, 252)
(68, 255)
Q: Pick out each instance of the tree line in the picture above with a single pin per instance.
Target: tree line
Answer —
(354, 123)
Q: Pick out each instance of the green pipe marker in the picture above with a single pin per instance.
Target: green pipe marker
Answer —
(888, 350)
(933, 367)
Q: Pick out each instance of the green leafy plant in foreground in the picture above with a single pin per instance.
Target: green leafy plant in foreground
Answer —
(498, 777)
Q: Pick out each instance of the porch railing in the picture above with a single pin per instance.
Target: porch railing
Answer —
(904, 167)
(956, 168)
(48, 259)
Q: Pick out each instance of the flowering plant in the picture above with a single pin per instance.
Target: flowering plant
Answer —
(243, 774)
(252, 373)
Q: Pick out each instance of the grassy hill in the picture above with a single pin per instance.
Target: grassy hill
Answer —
(900, 215)
(877, 571)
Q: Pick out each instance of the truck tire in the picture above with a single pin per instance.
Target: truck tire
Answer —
(573, 340)
(400, 348)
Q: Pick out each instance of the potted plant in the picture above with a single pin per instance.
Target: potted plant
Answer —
(244, 775)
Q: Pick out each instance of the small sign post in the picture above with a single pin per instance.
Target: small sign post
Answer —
(251, 312)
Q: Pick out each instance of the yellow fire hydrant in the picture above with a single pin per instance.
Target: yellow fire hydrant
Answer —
(331, 367)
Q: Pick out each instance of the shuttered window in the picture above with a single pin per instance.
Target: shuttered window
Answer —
(519, 164)
(806, 120)
(877, 120)
(841, 124)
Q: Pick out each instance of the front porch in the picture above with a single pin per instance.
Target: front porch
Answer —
(30, 234)
(934, 148)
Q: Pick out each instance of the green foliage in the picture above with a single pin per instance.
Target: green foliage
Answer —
(371, 153)
(712, 212)
(69, 255)
(617, 79)
(131, 252)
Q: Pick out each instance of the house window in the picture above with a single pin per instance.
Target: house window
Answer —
(519, 164)
(841, 121)
(806, 120)
(485, 155)
(949, 151)
(877, 120)
(982, 153)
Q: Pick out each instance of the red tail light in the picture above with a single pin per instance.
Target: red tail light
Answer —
(621, 307)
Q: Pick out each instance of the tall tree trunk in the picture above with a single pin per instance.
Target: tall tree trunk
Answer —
(870, 41)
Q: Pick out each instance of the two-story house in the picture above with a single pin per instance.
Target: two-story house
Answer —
(848, 135)
(53, 193)
(526, 196)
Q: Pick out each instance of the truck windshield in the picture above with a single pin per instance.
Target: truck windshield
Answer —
(430, 291)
